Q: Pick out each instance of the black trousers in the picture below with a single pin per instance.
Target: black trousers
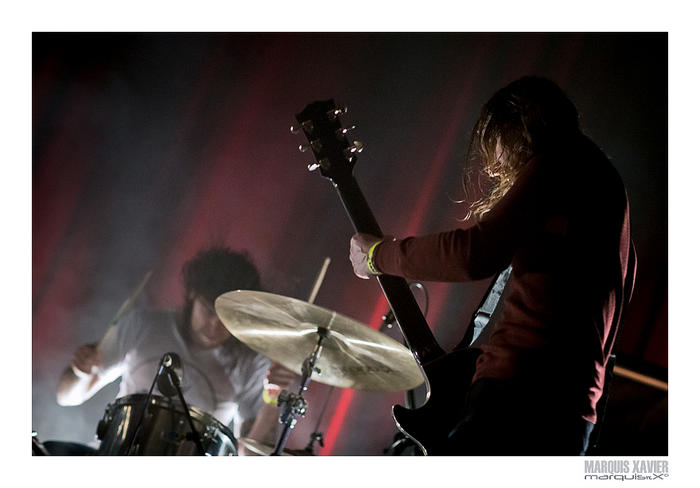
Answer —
(503, 419)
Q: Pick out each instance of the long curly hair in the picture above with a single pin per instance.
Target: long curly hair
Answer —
(527, 117)
(215, 271)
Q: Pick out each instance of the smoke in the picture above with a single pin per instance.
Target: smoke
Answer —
(151, 145)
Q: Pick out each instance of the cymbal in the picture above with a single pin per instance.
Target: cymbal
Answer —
(285, 330)
(264, 450)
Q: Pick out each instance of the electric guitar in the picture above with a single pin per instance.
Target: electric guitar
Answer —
(447, 376)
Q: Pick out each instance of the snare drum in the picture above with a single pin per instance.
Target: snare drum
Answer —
(164, 431)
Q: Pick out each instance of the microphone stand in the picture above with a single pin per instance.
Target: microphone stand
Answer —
(175, 380)
(143, 410)
(166, 365)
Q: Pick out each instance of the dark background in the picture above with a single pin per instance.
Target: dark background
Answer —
(147, 147)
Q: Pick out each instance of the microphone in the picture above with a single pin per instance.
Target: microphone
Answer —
(170, 374)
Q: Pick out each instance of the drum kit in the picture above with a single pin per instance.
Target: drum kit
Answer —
(319, 344)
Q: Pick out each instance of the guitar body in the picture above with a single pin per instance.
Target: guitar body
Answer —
(449, 379)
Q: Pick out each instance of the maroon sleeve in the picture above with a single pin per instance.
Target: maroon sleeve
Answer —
(447, 256)
(476, 252)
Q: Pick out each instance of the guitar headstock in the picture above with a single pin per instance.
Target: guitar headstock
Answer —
(335, 156)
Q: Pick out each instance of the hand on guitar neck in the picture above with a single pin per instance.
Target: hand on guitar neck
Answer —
(360, 247)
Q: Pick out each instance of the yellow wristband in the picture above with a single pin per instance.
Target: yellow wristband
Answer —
(267, 398)
(370, 259)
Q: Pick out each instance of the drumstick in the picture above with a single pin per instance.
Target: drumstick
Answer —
(127, 305)
(319, 279)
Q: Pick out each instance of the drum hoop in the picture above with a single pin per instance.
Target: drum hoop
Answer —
(197, 414)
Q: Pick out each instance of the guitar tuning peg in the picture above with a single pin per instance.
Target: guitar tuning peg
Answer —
(307, 125)
(315, 145)
(356, 147)
(340, 133)
(339, 110)
(323, 163)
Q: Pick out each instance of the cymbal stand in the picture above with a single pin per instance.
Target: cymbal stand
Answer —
(293, 404)
(388, 321)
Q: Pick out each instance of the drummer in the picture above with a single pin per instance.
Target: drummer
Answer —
(221, 375)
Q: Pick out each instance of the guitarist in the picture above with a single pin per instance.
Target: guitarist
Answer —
(557, 211)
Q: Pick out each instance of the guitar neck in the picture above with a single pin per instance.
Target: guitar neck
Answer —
(409, 317)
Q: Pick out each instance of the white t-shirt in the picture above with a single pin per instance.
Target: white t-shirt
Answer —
(225, 382)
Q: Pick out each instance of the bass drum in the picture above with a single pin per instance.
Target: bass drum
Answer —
(164, 431)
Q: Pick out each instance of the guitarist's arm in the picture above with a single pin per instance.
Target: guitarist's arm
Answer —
(474, 253)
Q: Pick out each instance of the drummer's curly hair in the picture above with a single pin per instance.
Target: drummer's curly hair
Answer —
(217, 270)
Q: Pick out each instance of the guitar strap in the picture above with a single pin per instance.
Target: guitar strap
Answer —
(481, 325)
